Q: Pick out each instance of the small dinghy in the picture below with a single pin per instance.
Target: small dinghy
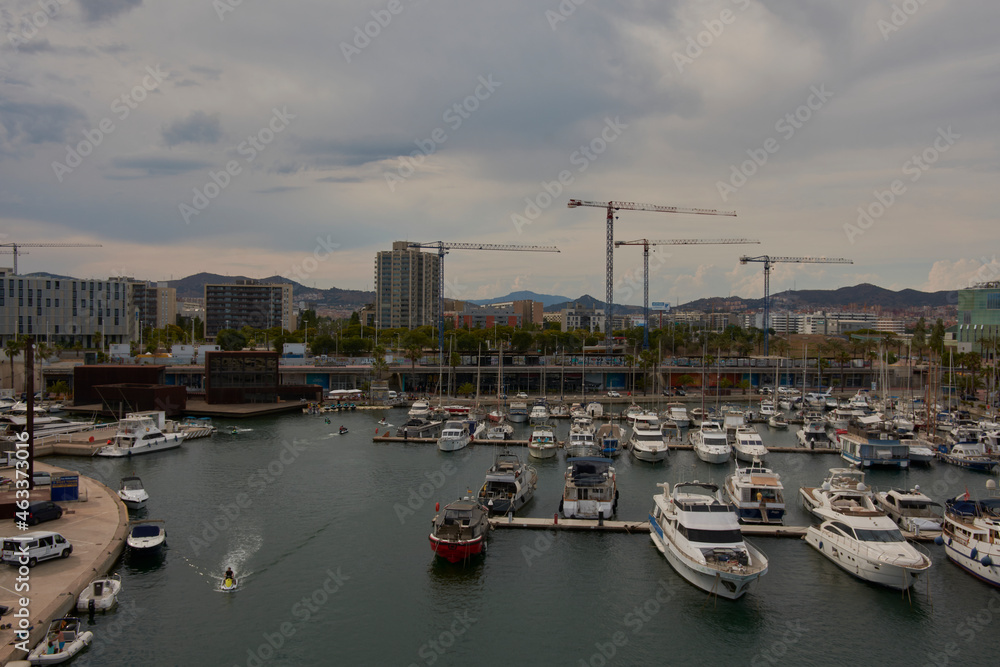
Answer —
(132, 493)
(63, 640)
(146, 536)
(100, 595)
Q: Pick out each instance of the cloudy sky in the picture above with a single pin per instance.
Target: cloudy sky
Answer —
(299, 138)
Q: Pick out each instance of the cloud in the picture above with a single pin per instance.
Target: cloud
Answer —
(98, 10)
(27, 123)
(278, 189)
(198, 128)
(951, 275)
(153, 166)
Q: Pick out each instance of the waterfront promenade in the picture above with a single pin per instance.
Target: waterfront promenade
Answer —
(96, 526)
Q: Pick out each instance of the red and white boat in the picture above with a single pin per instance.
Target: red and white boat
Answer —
(457, 410)
(460, 530)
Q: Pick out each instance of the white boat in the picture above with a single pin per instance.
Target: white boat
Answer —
(100, 594)
(911, 509)
(139, 433)
(700, 537)
(419, 409)
(971, 534)
(63, 640)
(710, 443)
(500, 431)
(132, 493)
(510, 484)
(843, 489)
(732, 420)
(539, 414)
(749, 445)
(647, 442)
(21, 409)
(454, 436)
(542, 443)
(757, 495)
(146, 536)
(610, 439)
(678, 414)
(631, 412)
(868, 545)
(814, 424)
(518, 412)
(920, 451)
(595, 410)
(766, 408)
(777, 420)
(590, 490)
(582, 441)
(43, 426)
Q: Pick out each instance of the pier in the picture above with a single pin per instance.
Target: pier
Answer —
(642, 527)
(561, 443)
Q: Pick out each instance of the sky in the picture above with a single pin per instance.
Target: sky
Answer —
(300, 138)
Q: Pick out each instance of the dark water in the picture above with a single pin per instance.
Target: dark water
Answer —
(329, 536)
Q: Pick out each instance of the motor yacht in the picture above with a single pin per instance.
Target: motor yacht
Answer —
(757, 495)
(710, 443)
(590, 490)
(700, 537)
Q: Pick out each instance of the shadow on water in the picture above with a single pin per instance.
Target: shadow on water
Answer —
(138, 562)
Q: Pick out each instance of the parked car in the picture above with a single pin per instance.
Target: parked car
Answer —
(43, 510)
(614, 394)
(36, 546)
(521, 394)
(41, 478)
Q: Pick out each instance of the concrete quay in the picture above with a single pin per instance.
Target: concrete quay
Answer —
(96, 527)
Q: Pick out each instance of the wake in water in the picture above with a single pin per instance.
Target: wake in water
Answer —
(242, 549)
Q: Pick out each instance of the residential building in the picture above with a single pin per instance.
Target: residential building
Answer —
(591, 319)
(155, 304)
(530, 312)
(64, 310)
(247, 303)
(483, 317)
(406, 287)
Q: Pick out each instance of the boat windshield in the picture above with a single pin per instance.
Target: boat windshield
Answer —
(713, 536)
(891, 535)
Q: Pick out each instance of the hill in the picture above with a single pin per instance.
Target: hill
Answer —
(859, 297)
(523, 295)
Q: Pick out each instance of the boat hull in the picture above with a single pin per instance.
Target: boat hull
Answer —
(711, 456)
(961, 555)
(882, 573)
(705, 578)
(767, 516)
(170, 441)
(453, 444)
(587, 509)
(457, 551)
(542, 452)
(648, 455)
(39, 657)
(750, 454)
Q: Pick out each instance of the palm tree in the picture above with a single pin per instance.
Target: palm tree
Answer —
(12, 348)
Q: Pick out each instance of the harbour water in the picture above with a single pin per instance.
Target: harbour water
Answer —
(328, 534)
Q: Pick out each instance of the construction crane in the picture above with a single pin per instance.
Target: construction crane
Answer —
(442, 248)
(768, 260)
(15, 247)
(645, 243)
(611, 207)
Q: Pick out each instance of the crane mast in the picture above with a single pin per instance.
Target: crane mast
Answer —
(645, 243)
(612, 206)
(768, 261)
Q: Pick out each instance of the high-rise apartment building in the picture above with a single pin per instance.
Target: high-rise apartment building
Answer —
(247, 303)
(155, 304)
(406, 287)
(979, 314)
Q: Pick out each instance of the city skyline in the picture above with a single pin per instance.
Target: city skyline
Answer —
(278, 140)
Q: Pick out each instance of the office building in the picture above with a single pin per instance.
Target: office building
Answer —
(978, 315)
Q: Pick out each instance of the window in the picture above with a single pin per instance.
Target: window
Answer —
(879, 535)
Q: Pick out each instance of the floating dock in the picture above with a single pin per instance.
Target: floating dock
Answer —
(642, 527)
(524, 443)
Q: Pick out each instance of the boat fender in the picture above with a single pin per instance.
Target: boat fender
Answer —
(986, 560)
(437, 507)
(975, 553)
(939, 540)
(949, 541)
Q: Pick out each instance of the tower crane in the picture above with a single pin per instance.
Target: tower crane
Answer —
(769, 260)
(442, 248)
(15, 247)
(611, 207)
(645, 243)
